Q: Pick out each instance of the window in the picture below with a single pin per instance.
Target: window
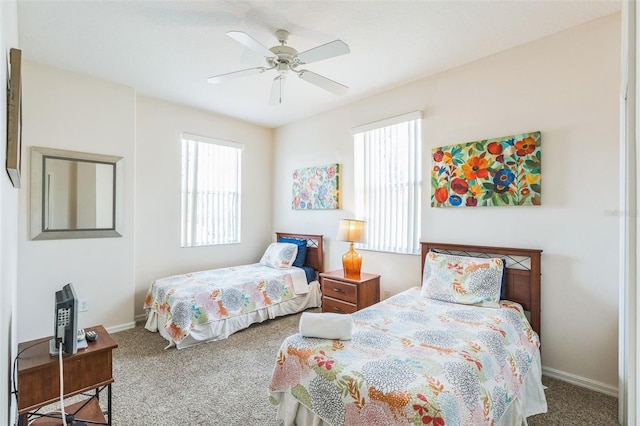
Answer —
(387, 163)
(210, 191)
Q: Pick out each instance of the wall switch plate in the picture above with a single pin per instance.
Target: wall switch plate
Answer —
(84, 305)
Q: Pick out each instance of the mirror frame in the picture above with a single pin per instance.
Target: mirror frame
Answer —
(38, 154)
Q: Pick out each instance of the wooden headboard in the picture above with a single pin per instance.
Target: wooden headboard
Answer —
(315, 257)
(523, 272)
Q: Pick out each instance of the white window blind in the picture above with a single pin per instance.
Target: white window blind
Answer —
(211, 171)
(387, 163)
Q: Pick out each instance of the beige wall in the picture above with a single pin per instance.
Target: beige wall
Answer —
(565, 86)
(158, 252)
(68, 111)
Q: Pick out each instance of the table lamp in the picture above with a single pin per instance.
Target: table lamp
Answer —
(353, 231)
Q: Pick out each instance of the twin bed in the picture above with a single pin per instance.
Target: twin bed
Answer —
(206, 306)
(449, 352)
(426, 355)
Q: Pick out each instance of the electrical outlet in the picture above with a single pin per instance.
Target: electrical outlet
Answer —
(84, 305)
(387, 294)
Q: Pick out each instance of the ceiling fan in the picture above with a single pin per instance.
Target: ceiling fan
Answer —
(283, 59)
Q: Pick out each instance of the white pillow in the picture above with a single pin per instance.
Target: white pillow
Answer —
(279, 255)
(464, 280)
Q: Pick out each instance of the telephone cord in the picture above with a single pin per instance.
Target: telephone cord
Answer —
(62, 413)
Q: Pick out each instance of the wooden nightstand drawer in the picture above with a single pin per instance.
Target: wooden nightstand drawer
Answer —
(337, 306)
(339, 290)
(348, 294)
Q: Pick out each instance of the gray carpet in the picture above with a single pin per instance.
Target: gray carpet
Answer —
(570, 405)
(225, 382)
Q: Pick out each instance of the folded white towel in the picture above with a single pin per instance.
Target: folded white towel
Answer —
(326, 325)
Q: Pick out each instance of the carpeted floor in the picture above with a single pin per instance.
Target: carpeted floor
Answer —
(225, 382)
(570, 405)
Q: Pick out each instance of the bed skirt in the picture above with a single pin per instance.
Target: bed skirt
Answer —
(530, 401)
(221, 329)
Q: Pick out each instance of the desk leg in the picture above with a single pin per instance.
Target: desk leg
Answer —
(109, 403)
(22, 420)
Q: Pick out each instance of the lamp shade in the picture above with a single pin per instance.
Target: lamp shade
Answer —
(351, 230)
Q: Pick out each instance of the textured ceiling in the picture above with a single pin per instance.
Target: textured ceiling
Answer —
(167, 49)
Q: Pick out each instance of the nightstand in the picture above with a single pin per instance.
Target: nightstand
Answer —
(346, 295)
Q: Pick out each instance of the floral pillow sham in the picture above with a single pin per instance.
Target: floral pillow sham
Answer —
(279, 255)
(461, 279)
(503, 288)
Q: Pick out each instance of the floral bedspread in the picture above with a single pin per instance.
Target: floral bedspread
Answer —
(412, 360)
(200, 297)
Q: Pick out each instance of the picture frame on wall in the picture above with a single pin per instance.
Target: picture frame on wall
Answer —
(503, 171)
(316, 188)
(14, 117)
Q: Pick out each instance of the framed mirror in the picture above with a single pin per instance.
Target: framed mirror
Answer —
(75, 194)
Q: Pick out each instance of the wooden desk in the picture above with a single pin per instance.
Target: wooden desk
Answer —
(89, 369)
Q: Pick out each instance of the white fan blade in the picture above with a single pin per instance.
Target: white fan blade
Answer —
(277, 90)
(323, 82)
(251, 43)
(235, 74)
(326, 51)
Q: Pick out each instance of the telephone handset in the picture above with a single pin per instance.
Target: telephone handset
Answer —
(89, 336)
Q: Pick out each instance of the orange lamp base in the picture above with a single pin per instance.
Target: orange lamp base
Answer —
(351, 263)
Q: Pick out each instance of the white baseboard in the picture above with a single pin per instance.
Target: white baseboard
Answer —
(128, 325)
(140, 318)
(121, 327)
(580, 381)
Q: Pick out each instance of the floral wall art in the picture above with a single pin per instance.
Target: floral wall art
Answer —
(503, 171)
(316, 188)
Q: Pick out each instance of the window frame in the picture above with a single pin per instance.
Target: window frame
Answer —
(389, 239)
(190, 236)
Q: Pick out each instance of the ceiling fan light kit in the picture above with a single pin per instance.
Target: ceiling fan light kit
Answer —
(282, 59)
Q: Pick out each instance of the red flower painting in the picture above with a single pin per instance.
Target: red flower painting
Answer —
(502, 171)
